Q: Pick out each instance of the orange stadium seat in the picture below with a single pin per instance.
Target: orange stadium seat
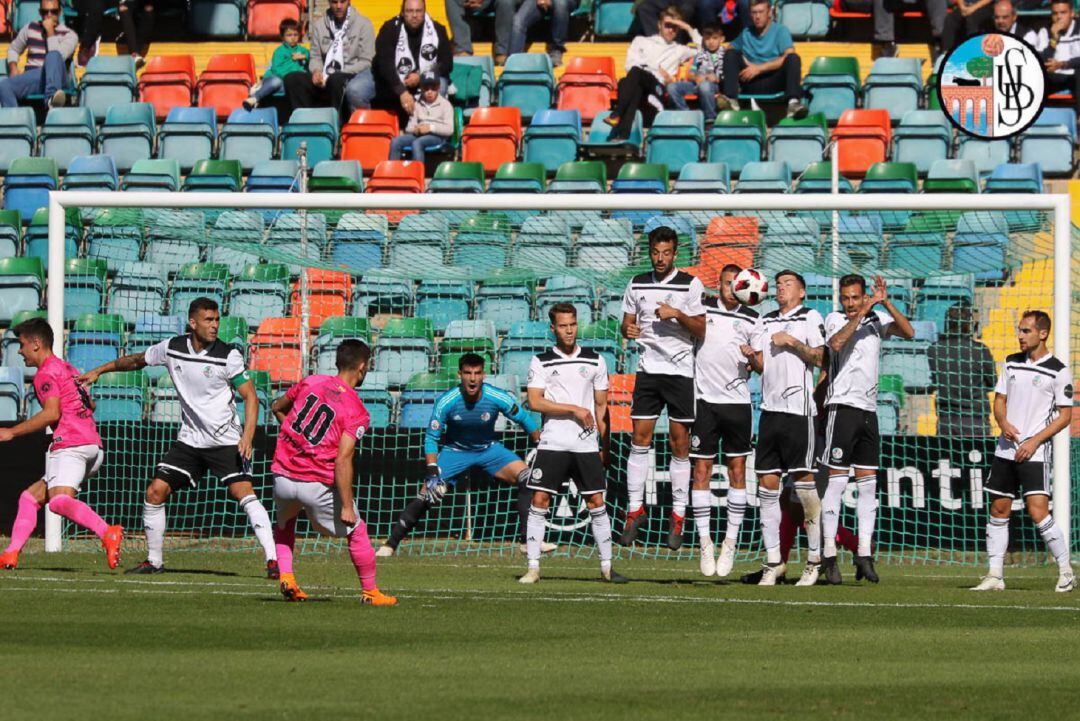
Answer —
(275, 348)
(492, 137)
(329, 294)
(863, 137)
(367, 137)
(265, 16)
(620, 395)
(837, 10)
(226, 82)
(167, 82)
(397, 176)
(587, 85)
(728, 239)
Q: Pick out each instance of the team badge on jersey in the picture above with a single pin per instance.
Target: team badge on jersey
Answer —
(485, 417)
(206, 371)
(434, 424)
(1036, 381)
(537, 474)
(695, 442)
(837, 453)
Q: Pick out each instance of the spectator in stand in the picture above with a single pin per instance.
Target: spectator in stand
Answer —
(762, 60)
(651, 63)
(137, 19)
(1005, 21)
(962, 372)
(1061, 57)
(969, 17)
(730, 15)
(430, 123)
(531, 12)
(407, 47)
(459, 13)
(647, 15)
(885, 13)
(49, 46)
(705, 78)
(342, 48)
(290, 57)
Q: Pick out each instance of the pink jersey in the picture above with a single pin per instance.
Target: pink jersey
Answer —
(324, 409)
(76, 427)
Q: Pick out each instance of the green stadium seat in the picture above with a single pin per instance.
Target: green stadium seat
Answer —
(198, 280)
(95, 339)
(116, 236)
(891, 177)
(453, 177)
(799, 142)
(259, 291)
(404, 348)
(832, 86)
(160, 175)
(519, 178)
(817, 178)
(121, 397)
(582, 176)
(641, 178)
(331, 333)
(952, 176)
(234, 330)
(604, 337)
(219, 176)
(337, 176)
(482, 242)
(737, 137)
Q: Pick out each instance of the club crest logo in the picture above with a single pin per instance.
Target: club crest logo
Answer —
(537, 474)
(695, 442)
(1036, 381)
(434, 425)
(485, 416)
(992, 86)
(836, 453)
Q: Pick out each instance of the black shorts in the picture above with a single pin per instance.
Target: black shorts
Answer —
(785, 443)
(184, 465)
(552, 469)
(721, 425)
(1007, 477)
(653, 391)
(851, 438)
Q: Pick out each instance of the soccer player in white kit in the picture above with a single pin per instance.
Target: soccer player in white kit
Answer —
(852, 440)
(1033, 403)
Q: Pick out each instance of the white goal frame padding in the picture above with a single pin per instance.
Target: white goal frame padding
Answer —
(662, 203)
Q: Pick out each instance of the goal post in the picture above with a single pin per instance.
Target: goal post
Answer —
(1057, 249)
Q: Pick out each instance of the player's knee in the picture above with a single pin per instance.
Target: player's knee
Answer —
(157, 493)
(542, 500)
(594, 501)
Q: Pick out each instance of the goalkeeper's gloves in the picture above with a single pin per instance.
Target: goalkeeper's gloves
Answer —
(434, 487)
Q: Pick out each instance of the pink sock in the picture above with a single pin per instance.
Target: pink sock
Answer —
(75, 510)
(25, 522)
(363, 555)
(285, 540)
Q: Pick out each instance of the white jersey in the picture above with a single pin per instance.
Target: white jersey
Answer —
(666, 347)
(720, 370)
(204, 381)
(787, 382)
(1033, 392)
(569, 379)
(853, 372)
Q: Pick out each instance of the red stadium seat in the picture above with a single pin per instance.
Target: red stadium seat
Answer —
(367, 137)
(397, 176)
(329, 293)
(275, 348)
(492, 137)
(863, 138)
(167, 82)
(620, 395)
(226, 82)
(588, 85)
(264, 16)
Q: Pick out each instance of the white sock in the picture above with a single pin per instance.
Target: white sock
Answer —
(679, 472)
(830, 513)
(702, 501)
(736, 510)
(601, 533)
(997, 542)
(260, 523)
(637, 468)
(1055, 543)
(153, 519)
(536, 529)
(866, 510)
(811, 503)
(770, 523)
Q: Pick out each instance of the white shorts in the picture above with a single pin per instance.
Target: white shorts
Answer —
(69, 467)
(319, 501)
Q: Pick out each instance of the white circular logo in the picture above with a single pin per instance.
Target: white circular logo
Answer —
(695, 441)
(434, 424)
(836, 453)
(485, 416)
(537, 474)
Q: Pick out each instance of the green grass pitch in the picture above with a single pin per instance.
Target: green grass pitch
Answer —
(212, 640)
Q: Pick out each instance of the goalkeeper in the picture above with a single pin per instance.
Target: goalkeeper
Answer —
(463, 422)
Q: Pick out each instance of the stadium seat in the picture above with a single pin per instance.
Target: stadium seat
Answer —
(358, 240)
(894, 85)
(986, 154)
(198, 280)
(639, 178)
(107, 81)
(587, 85)
(164, 401)
(275, 348)
(597, 143)
(923, 137)
(863, 138)
(891, 177)
(604, 338)
(235, 239)
(542, 242)
(1049, 141)
(442, 301)
(567, 289)
(37, 235)
(27, 185)
(397, 176)
(274, 176)
(525, 339)
(979, 245)
(613, 18)
(249, 136)
(527, 82)
(1015, 178)
(553, 138)
(729, 239)
(10, 344)
(329, 295)
(91, 172)
(832, 86)
(861, 242)
(482, 242)
(790, 243)
(382, 295)
(504, 301)
(174, 238)
(153, 175)
(737, 138)
(769, 176)
(336, 176)
(10, 233)
(420, 241)
(805, 18)
(187, 136)
(219, 176)
(375, 393)
(331, 332)
(799, 142)
(485, 89)
(318, 127)
(84, 286)
(519, 178)
(909, 360)
(121, 397)
(703, 178)
(675, 139)
(297, 235)
(817, 178)
(235, 331)
(226, 81)
(462, 336)
(128, 134)
(95, 339)
(167, 82)
(18, 135)
(605, 245)
(916, 253)
(452, 177)
(952, 176)
(216, 19)
(367, 137)
(419, 396)
(583, 176)
(492, 137)
(11, 394)
(138, 289)
(404, 348)
(264, 17)
(116, 237)
(68, 132)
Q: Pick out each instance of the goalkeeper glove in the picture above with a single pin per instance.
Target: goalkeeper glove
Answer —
(434, 487)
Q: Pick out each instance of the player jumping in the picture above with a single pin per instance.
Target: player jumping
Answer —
(851, 429)
(74, 455)
(662, 311)
(463, 421)
(1033, 403)
(204, 371)
(322, 419)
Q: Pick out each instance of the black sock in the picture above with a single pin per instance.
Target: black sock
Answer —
(408, 519)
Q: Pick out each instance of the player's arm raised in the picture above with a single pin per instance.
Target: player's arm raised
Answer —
(134, 362)
(49, 414)
(900, 327)
(343, 477)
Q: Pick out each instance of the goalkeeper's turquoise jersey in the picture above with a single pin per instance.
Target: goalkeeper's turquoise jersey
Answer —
(465, 426)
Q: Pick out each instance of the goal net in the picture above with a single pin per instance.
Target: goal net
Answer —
(426, 278)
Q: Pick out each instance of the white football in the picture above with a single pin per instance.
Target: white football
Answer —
(750, 286)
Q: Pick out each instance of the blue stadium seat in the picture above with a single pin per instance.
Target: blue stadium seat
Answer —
(10, 233)
(553, 138)
(91, 172)
(382, 295)
(18, 135)
(919, 254)
(1049, 141)
(358, 240)
(258, 292)
(676, 138)
(116, 236)
(107, 81)
(128, 134)
(482, 242)
(375, 393)
(504, 302)
(832, 86)
(67, 133)
(404, 348)
(286, 234)
(805, 18)
(567, 289)
(527, 82)
(986, 154)
(737, 138)
(543, 241)
(442, 301)
(164, 401)
(161, 176)
(187, 136)
(152, 329)
(94, 340)
(703, 178)
(174, 238)
(979, 245)
(769, 176)
(274, 176)
(420, 241)
(249, 136)
(605, 245)
(613, 18)
(233, 227)
(924, 136)
(318, 127)
(525, 339)
(894, 84)
(121, 397)
(487, 79)
(21, 280)
(216, 18)
(1015, 178)
(11, 394)
(597, 143)
(138, 289)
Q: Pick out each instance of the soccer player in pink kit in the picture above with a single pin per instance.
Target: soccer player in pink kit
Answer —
(74, 455)
(322, 419)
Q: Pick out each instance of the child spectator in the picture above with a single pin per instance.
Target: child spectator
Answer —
(431, 122)
(706, 76)
(289, 57)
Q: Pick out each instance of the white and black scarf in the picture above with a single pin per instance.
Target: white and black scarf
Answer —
(429, 50)
(335, 55)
